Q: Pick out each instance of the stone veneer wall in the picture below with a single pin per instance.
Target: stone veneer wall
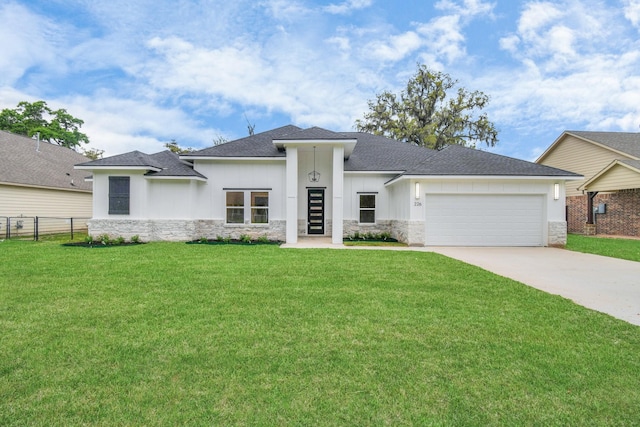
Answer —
(557, 233)
(353, 226)
(183, 230)
(409, 232)
(622, 217)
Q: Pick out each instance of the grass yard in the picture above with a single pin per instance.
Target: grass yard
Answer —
(176, 334)
(616, 248)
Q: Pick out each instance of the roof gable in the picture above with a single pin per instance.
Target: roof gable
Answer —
(618, 175)
(163, 164)
(24, 161)
(130, 159)
(258, 145)
(625, 143)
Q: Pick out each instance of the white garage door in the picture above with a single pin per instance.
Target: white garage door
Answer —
(484, 220)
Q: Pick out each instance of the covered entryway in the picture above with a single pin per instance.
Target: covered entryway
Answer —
(484, 220)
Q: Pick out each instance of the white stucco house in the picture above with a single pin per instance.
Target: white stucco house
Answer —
(291, 182)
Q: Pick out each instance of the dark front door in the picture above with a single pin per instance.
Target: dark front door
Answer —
(315, 211)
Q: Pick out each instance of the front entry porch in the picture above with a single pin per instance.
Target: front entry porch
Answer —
(303, 151)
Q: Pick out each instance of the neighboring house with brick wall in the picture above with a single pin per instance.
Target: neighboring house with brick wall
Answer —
(38, 179)
(291, 182)
(607, 200)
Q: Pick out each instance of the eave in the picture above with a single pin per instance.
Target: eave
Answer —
(124, 168)
(247, 159)
(177, 178)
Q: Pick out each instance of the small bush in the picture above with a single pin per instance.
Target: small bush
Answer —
(263, 239)
(203, 240)
(245, 238)
(118, 240)
(219, 238)
(135, 239)
(104, 239)
(88, 239)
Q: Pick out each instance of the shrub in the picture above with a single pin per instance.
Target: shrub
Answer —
(245, 238)
(104, 239)
(88, 239)
(135, 239)
(119, 240)
(263, 239)
(203, 240)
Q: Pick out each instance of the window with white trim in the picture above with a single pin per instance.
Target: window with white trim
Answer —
(259, 207)
(235, 207)
(367, 208)
(257, 202)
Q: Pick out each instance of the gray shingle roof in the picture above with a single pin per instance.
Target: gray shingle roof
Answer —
(626, 142)
(312, 133)
(169, 164)
(49, 166)
(173, 166)
(377, 153)
(458, 160)
(132, 158)
(258, 145)
(371, 153)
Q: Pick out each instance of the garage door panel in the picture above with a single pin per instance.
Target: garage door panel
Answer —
(484, 220)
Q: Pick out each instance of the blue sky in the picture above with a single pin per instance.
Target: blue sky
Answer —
(143, 72)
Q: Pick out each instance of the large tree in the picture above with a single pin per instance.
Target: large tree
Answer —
(54, 126)
(427, 113)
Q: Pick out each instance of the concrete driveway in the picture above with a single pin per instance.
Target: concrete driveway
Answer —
(608, 285)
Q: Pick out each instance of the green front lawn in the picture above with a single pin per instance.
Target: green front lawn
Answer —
(176, 334)
(617, 248)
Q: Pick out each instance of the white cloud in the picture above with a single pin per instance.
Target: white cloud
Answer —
(632, 12)
(444, 37)
(260, 77)
(466, 8)
(578, 67)
(119, 125)
(396, 47)
(347, 6)
(28, 40)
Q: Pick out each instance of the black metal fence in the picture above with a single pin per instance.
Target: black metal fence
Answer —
(34, 227)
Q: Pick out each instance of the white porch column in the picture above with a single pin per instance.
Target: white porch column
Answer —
(292, 194)
(338, 190)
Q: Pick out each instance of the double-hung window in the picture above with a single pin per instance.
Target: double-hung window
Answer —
(259, 207)
(119, 195)
(235, 207)
(367, 208)
(257, 201)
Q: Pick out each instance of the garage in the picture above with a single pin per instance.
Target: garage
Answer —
(484, 220)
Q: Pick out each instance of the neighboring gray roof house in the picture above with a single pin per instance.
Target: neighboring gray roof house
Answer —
(27, 162)
(610, 165)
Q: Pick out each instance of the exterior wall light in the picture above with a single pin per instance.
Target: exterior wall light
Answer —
(556, 191)
(417, 190)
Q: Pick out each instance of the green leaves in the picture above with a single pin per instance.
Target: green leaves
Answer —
(57, 127)
(426, 114)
